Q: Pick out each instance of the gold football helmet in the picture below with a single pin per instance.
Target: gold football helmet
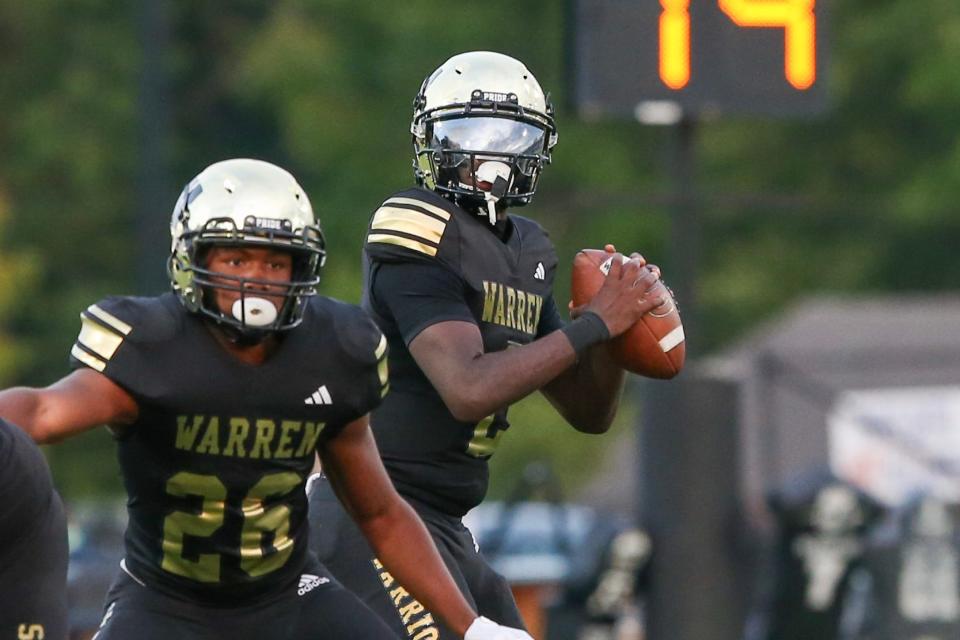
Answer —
(243, 202)
(482, 132)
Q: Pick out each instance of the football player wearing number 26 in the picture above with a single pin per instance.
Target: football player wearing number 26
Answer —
(453, 280)
(219, 394)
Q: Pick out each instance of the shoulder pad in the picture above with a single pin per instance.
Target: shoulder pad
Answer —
(529, 227)
(356, 331)
(107, 324)
(360, 338)
(410, 224)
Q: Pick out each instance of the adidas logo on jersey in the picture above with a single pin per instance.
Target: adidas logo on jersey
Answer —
(540, 273)
(320, 396)
(309, 582)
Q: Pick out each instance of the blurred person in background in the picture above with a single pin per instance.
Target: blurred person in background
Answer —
(453, 280)
(582, 571)
(220, 394)
(33, 543)
(908, 585)
(822, 523)
(96, 549)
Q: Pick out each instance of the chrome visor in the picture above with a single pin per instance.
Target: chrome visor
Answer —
(497, 137)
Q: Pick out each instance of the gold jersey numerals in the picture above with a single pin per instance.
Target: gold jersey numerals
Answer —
(30, 632)
(486, 436)
(258, 523)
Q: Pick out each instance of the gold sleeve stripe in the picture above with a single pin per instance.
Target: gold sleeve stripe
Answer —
(385, 390)
(420, 204)
(91, 361)
(111, 321)
(97, 339)
(402, 242)
(408, 221)
(382, 371)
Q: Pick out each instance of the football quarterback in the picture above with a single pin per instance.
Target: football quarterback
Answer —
(452, 279)
(221, 393)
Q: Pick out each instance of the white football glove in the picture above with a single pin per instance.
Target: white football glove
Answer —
(486, 629)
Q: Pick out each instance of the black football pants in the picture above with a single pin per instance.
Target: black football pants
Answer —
(310, 610)
(344, 551)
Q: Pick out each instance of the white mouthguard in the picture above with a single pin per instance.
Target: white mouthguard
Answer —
(259, 312)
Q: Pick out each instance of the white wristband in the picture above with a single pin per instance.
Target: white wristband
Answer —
(486, 629)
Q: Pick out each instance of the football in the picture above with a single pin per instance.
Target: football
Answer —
(654, 346)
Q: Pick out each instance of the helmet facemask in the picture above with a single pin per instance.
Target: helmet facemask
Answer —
(254, 315)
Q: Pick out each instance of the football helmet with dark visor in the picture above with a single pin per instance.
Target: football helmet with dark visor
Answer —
(482, 132)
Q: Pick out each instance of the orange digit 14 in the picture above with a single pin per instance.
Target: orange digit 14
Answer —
(795, 17)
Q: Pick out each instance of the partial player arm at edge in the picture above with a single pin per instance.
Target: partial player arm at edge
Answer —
(77, 402)
(401, 541)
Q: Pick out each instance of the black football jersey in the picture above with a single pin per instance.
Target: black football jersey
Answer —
(33, 542)
(215, 465)
(428, 261)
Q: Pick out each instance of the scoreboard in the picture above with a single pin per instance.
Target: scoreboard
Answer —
(762, 57)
